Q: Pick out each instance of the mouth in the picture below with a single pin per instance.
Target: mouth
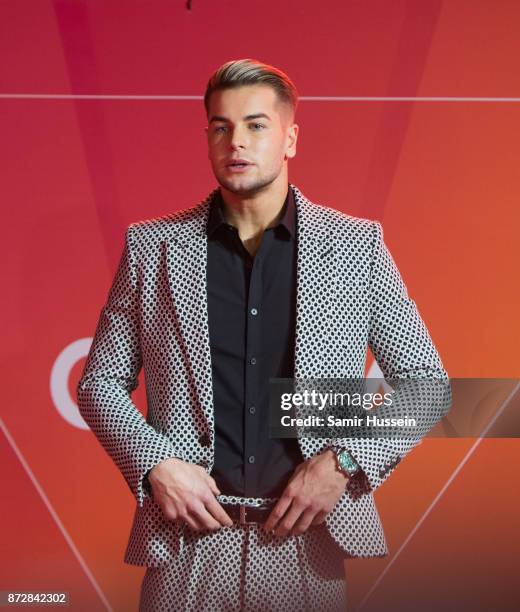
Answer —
(238, 163)
(238, 166)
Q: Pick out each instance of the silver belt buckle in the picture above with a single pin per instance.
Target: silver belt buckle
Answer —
(242, 514)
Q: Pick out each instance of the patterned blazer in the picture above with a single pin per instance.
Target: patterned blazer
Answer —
(350, 295)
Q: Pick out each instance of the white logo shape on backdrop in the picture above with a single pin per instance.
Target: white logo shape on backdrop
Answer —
(59, 382)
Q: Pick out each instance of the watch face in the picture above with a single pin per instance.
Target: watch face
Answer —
(347, 463)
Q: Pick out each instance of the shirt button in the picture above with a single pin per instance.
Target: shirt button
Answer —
(252, 409)
(251, 458)
(254, 311)
(252, 361)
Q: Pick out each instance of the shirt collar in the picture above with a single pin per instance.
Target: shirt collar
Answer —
(216, 215)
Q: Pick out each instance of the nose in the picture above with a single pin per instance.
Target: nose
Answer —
(238, 138)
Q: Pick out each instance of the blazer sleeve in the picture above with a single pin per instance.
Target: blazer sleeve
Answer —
(110, 375)
(405, 352)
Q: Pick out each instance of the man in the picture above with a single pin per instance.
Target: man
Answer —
(255, 282)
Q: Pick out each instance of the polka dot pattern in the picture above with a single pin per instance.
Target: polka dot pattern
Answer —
(349, 296)
(242, 568)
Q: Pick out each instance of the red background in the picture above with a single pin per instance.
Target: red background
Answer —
(441, 175)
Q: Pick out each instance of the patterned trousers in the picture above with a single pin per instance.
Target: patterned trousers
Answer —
(243, 569)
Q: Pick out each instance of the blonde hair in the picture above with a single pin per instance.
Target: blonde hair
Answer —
(237, 73)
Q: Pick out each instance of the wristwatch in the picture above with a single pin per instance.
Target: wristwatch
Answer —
(346, 463)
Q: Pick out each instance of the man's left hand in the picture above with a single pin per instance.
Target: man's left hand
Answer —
(311, 493)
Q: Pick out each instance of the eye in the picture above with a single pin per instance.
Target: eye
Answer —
(220, 127)
(258, 124)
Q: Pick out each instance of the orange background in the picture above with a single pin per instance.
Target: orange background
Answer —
(441, 175)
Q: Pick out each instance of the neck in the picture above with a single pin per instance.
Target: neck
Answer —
(253, 213)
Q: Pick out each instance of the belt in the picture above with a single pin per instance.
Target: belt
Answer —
(248, 514)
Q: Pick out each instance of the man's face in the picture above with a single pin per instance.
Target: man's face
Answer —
(249, 123)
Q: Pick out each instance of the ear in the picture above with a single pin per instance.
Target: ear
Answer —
(292, 137)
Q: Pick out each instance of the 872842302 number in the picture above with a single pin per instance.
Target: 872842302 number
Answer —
(33, 598)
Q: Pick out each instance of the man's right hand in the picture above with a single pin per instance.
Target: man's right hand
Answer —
(186, 492)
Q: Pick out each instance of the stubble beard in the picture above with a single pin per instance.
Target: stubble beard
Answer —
(250, 188)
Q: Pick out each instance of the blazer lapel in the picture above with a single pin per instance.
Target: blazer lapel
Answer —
(186, 264)
(315, 286)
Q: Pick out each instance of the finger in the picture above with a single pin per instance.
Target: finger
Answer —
(204, 517)
(303, 523)
(320, 518)
(286, 524)
(184, 517)
(278, 512)
(213, 486)
(192, 522)
(218, 512)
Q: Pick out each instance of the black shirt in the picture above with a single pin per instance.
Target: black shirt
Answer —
(251, 309)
